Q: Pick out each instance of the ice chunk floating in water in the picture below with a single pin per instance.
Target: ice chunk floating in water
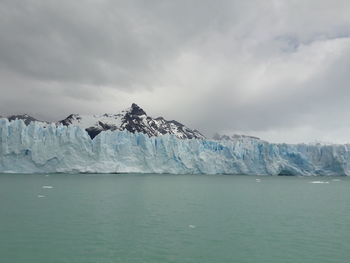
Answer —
(50, 148)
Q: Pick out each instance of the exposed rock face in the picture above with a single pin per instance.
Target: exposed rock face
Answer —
(25, 117)
(133, 119)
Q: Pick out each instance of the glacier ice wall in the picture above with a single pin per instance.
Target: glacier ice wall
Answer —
(47, 149)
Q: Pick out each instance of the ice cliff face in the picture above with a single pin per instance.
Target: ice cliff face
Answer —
(51, 148)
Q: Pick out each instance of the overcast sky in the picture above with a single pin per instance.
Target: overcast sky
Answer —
(271, 68)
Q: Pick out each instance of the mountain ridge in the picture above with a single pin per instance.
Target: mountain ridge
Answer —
(133, 119)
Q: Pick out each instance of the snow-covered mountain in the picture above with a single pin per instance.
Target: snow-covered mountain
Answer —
(133, 119)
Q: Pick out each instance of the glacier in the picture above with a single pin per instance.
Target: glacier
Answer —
(51, 148)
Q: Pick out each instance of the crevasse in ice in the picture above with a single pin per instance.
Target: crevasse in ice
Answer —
(48, 149)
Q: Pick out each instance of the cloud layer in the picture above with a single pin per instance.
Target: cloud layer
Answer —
(276, 69)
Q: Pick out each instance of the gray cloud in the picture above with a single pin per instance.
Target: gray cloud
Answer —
(104, 42)
(277, 69)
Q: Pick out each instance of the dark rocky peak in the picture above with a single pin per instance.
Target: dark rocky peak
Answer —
(25, 117)
(69, 120)
(136, 110)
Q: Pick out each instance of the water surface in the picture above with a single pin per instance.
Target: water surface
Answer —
(170, 218)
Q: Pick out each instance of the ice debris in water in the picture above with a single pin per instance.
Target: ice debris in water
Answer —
(191, 226)
(41, 196)
(319, 182)
(47, 186)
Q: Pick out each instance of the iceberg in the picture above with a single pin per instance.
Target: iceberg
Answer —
(52, 148)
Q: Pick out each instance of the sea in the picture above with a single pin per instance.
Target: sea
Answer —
(149, 218)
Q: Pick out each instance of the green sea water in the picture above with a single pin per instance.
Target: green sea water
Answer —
(173, 218)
